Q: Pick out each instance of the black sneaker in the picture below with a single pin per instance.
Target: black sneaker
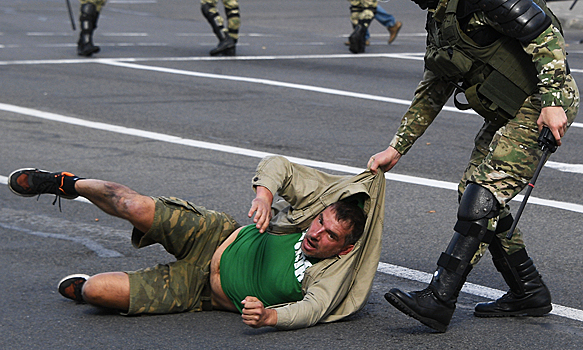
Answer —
(29, 182)
(71, 286)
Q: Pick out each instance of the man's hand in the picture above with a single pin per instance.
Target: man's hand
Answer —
(256, 315)
(555, 119)
(384, 160)
(261, 206)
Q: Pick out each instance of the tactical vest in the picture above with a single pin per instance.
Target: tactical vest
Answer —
(496, 78)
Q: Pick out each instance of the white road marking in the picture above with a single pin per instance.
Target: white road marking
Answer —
(90, 244)
(122, 62)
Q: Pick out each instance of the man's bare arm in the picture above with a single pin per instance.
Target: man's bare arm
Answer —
(261, 206)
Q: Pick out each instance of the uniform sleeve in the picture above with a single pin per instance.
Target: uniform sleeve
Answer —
(320, 299)
(430, 97)
(299, 185)
(548, 54)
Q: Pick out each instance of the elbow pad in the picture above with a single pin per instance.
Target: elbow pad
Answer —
(520, 19)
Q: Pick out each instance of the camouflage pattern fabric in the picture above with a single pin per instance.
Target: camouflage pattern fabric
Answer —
(232, 12)
(192, 234)
(505, 156)
(98, 3)
(362, 11)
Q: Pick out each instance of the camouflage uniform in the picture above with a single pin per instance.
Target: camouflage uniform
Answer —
(508, 74)
(232, 12)
(192, 234)
(504, 156)
(98, 3)
(362, 10)
(88, 17)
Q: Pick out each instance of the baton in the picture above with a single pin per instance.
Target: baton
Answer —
(71, 14)
(574, 2)
(547, 143)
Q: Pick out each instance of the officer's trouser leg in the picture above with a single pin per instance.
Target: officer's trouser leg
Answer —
(434, 306)
(233, 18)
(227, 44)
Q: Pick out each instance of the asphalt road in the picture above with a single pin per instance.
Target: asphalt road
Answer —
(155, 112)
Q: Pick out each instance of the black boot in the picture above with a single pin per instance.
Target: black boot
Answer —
(357, 40)
(88, 20)
(528, 295)
(434, 306)
(227, 45)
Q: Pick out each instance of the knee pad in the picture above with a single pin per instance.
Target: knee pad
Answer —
(477, 206)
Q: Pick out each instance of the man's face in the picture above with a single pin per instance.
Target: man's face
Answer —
(326, 236)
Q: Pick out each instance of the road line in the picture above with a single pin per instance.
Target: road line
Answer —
(280, 84)
(100, 250)
(122, 62)
(383, 267)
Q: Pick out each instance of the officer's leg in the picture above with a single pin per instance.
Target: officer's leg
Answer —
(358, 37)
(434, 306)
(227, 44)
(233, 18)
(88, 22)
(511, 164)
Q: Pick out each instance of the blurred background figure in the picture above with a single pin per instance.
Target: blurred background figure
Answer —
(88, 22)
(227, 36)
(387, 20)
(362, 12)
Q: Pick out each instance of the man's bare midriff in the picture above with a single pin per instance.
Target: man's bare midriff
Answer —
(219, 298)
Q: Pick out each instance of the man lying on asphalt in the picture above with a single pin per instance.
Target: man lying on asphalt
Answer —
(314, 261)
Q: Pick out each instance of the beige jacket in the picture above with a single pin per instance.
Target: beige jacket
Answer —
(336, 287)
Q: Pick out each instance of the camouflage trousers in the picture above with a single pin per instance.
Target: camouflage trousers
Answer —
(505, 158)
(232, 12)
(192, 234)
(98, 3)
(362, 11)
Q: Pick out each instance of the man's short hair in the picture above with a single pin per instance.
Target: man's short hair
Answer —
(350, 213)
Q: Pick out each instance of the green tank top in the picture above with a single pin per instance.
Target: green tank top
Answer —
(269, 267)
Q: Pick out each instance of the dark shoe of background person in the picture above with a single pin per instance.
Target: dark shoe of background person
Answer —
(29, 182)
(423, 306)
(367, 43)
(226, 47)
(393, 31)
(357, 39)
(71, 287)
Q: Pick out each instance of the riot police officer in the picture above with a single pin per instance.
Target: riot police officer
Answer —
(508, 58)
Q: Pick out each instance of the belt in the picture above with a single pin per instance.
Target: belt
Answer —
(206, 302)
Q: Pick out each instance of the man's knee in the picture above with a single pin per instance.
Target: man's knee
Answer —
(111, 290)
(140, 211)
